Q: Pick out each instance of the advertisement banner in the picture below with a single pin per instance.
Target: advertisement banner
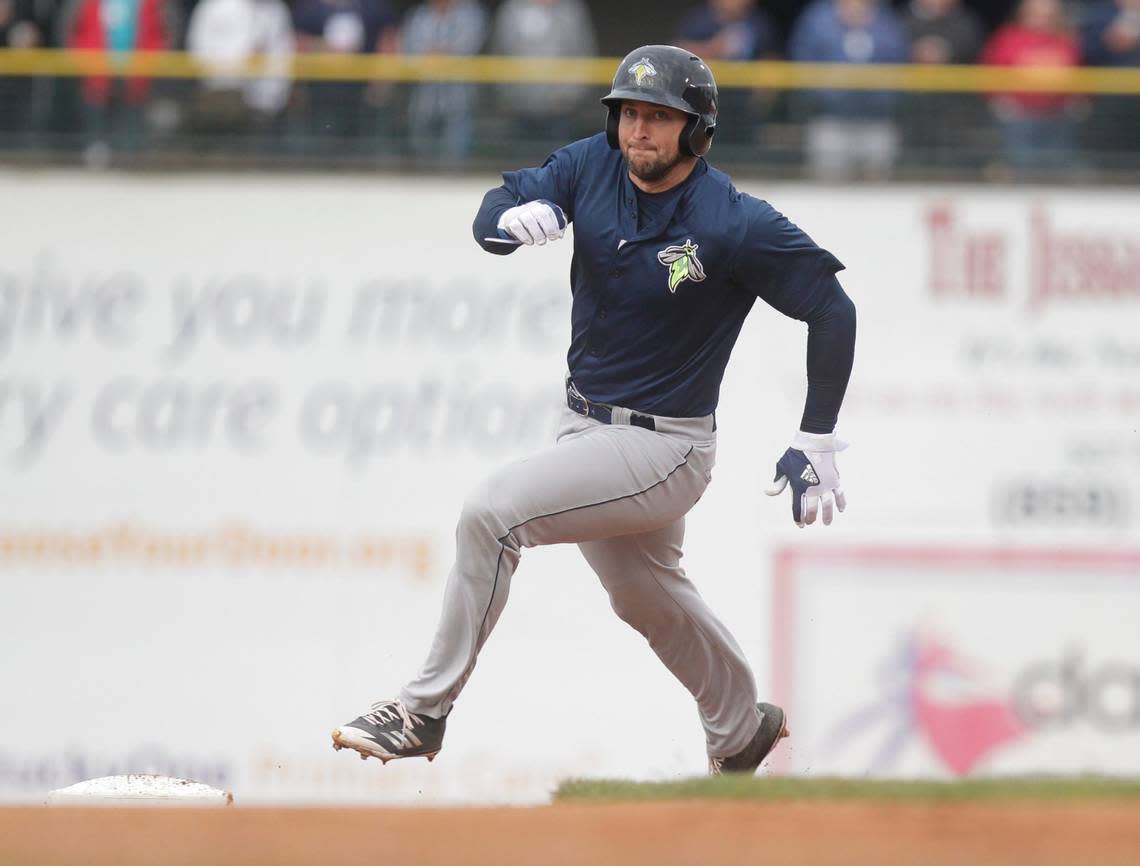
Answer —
(911, 662)
(239, 416)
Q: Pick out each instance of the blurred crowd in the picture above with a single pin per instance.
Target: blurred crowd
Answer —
(844, 133)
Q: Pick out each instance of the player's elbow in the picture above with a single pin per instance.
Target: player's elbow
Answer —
(492, 247)
(843, 310)
(834, 310)
(486, 224)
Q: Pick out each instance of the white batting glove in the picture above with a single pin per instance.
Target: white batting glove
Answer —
(534, 222)
(809, 466)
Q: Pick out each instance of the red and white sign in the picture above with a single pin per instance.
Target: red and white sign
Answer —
(953, 662)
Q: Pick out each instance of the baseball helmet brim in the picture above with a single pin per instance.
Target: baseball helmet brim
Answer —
(622, 94)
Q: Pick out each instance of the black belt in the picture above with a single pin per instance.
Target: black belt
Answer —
(602, 411)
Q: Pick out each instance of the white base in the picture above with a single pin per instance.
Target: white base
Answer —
(139, 789)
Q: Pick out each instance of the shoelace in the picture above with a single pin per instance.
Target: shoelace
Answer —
(388, 711)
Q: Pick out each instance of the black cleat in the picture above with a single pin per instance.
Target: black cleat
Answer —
(390, 731)
(773, 728)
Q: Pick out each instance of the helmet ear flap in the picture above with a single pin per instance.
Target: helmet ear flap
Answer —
(696, 137)
(612, 120)
(687, 135)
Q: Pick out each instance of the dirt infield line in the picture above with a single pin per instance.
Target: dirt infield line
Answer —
(654, 834)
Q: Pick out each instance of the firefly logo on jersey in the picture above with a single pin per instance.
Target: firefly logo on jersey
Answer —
(682, 263)
(931, 693)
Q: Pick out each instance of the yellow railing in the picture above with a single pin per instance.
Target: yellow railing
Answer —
(586, 70)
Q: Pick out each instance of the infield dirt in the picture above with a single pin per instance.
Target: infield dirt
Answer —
(651, 834)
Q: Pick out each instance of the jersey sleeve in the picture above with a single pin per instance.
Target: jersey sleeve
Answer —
(553, 181)
(779, 262)
(791, 273)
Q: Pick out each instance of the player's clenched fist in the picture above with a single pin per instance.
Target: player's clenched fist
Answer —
(535, 222)
(809, 467)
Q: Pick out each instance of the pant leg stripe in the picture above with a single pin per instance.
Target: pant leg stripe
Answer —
(490, 603)
(668, 475)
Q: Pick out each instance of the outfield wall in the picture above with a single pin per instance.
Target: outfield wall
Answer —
(238, 416)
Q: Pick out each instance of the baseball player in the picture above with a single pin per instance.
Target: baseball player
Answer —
(668, 260)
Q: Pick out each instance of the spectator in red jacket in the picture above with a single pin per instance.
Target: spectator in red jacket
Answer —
(1039, 128)
(114, 106)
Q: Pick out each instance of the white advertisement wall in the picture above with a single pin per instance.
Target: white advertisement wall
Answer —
(238, 417)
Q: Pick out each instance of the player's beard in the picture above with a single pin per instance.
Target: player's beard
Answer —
(652, 170)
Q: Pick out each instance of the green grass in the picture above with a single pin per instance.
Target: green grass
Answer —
(832, 789)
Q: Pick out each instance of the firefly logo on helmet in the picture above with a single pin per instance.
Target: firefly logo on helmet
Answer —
(641, 70)
(682, 263)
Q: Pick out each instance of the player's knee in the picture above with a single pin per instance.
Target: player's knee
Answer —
(479, 515)
(625, 608)
(631, 607)
(642, 612)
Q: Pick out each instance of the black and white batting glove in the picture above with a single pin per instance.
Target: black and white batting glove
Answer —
(535, 222)
(809, 466)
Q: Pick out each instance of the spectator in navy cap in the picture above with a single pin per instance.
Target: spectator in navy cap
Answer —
(942, 31)
(22, 25)
(1111, 33)
(342, 113)
(728, 30)
(732, 30)
(1110, 36)
(850, 133)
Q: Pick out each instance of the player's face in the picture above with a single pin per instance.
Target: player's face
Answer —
(650, 137)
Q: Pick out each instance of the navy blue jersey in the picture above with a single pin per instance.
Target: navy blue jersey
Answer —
(658, 306)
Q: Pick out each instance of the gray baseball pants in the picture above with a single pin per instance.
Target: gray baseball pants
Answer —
(619, 492)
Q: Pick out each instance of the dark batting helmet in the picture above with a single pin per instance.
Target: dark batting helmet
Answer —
(665, 75)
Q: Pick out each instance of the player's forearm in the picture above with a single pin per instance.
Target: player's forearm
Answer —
(830, 354)
(486, 223)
